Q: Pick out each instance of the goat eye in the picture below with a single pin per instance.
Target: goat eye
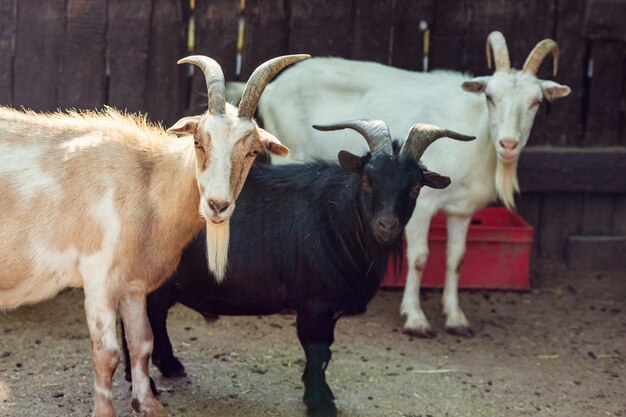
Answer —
(536, 103)
(252, 154)
(197, 144)
(489, 99)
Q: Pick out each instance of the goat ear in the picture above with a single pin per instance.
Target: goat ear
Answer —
(552, 90)
(185, 126)
(350, 162)
(475, 85)
(434, 180)
(272, 144)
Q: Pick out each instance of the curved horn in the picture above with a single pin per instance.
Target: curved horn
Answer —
(497, 44)
(375, 132)
(539, 53)
(260, 78)
(214, 78)
(422, 135)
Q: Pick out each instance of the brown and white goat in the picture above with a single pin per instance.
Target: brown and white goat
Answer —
(107, 202)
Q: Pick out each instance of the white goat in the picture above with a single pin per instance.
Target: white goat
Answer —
(499, 110)
(107, 202)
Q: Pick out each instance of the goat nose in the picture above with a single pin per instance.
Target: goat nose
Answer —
(388, 223)
(219, 206)
(509, 144)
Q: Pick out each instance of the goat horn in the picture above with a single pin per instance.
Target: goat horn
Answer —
(422, 135)
(539, 53)
(375, 132)
(497, 44)
(260, 78)
(214, 78)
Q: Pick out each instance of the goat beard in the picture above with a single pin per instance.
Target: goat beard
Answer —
(217, 238)
(506, 182)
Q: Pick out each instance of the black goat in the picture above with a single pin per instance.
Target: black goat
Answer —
(312, 237)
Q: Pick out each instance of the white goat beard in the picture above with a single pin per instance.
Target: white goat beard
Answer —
(506, 182)
(217, 238)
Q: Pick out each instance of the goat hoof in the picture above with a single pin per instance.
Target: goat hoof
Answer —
(171, 368)
(423, 333)
(151, 409)
(460, 331)
(324, 408)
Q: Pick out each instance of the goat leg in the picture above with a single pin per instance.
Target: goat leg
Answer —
(316, 335)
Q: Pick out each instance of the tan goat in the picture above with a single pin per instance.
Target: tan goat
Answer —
(107, 202)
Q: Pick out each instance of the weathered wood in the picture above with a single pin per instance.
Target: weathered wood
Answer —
(266, 33)
(482, 18)
(82, 72)
(592, 170)
(529, 207)
(619, 215)
(321, 27)
(597, 214)
(7, 38)
(596, 252)
(605, 20)
(605, 96)
(38, 43)
(216, 36)
(166, 85)
(565, 124)
(128, 39)
(447, 36)
(373, 30)
(408, 41)
(560, 219)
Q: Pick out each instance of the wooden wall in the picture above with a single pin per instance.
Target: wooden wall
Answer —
(90, 53)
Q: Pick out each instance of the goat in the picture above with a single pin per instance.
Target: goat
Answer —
(107, 202)
(498, 109)
(314, 238)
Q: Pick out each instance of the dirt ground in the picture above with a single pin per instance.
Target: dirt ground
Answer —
(557, 351)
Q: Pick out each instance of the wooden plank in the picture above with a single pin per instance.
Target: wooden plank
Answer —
(166, 91)
(529, 207)
(321, 27)
(408, 41)
(596, 252)
(266, 33)
(591, 170)
(7, 38)
(38, 43)
(128, 40)
(82, 73)
(605, 20)
(447, 45)
(482, 18)
(565, 125)
(373, 30)
(605, 96)
(560, 219)
(619, 215)
(216, 36)
(597, 214)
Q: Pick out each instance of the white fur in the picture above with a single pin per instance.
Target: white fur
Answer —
(324, 90)
(22, 165)
(217, 239)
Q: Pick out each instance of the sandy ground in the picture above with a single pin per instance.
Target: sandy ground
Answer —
(557, 351)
